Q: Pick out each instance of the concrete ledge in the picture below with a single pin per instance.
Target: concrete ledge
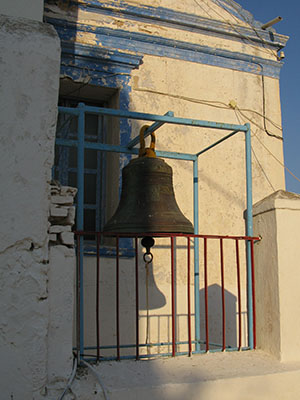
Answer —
(234, 376)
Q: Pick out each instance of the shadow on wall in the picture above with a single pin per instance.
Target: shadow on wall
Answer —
(154, 312)
(160, 329)
(215, 321)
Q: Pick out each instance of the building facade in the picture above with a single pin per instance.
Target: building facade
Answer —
(207, 61)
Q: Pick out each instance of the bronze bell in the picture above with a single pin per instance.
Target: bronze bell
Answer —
(148, 203)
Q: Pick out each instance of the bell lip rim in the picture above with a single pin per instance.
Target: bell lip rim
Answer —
(147, 233)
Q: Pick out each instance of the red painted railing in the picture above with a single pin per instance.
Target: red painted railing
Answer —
(90, 260)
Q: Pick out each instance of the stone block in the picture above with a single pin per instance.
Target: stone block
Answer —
(60, 228)
(68, 190)
(61, 199)
(53, 237)
(71, 215)
(58, 212)
(67, 238)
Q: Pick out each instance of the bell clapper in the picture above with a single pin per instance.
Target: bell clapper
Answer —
(148, 242)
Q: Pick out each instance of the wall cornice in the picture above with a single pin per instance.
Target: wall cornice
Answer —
(139, 44)
(184, 21)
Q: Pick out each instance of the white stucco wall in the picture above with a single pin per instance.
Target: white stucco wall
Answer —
(277, 220)
(31, 9)
(29, 72)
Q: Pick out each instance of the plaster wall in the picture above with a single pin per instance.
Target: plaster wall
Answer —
(31, 9)
(276, 219)
(29, 71)
(61, 277)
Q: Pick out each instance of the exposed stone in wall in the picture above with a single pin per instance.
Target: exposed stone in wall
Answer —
(61, 214)
(61, 275)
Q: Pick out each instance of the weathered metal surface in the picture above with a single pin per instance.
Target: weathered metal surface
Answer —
(148, 201)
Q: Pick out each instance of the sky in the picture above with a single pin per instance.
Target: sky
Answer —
(289, 10)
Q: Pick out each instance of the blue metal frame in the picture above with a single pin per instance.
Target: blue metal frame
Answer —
(249, 232)
(196, 253)
(128, 149)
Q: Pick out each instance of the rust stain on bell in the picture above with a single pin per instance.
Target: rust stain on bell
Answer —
(148, 203)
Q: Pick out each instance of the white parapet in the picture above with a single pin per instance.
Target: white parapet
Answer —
(277, 255)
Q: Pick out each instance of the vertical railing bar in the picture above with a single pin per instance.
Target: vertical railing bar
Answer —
(80, 211)
(137, 298)
(196, 254)
(206, 294)
(239, 291)
(117, 298)
(223, 296)
(253, 294)
(78, 314)
(173, 297)
(189, 292)
(249, 232)
(98, 297)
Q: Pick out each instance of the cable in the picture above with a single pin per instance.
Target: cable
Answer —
(95, 372)
(264, 105)
(261, 167)
(216, 104)
(264, 101)
(72, 376)
(249, 23)
(203, 9)
(269, 151)
(212, 103)
(254, 62)
(261, 115)
(251, 42)
(256, 158)
(259, 126)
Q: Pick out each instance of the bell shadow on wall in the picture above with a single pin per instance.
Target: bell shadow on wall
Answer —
(151, 297)
(215, 322)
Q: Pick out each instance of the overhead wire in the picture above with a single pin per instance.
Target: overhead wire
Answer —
(222, 105)
(270, 152)
(254, 62)
(213, 103)
(258, 125)
(262, 71)
(205, 11)
(273, 53)
(256, 158)
(281, 163)
(251, 42)
(275, 124)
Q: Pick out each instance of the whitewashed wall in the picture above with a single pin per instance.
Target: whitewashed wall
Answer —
(31, 9)
(29, 72)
